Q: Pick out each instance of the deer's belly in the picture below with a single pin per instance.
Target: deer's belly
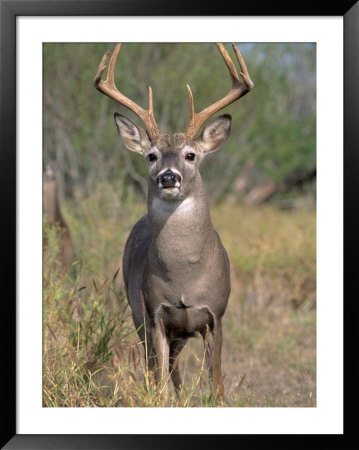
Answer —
(181, 321)
(189, 298)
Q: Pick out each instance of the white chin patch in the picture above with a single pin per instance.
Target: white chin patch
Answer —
(170, 193)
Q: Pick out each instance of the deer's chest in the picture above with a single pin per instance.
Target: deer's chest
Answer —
(186, 277)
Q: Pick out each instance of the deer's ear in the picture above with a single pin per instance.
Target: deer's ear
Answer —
(133, 137)
(214, 134)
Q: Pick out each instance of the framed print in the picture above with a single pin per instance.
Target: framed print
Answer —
(73, 358)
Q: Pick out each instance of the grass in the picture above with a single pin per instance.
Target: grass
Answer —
(91, 353)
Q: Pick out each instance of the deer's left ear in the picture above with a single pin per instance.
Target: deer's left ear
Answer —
(214, 134)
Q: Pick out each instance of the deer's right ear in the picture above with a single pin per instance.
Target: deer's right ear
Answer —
(133, 137)
(215, 134)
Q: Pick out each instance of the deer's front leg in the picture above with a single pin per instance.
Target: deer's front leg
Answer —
(175, 349)
(213, 346)
(161, 349)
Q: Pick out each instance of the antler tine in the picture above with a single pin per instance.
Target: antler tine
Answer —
(108, 88)
(239, 88)
(244, 72)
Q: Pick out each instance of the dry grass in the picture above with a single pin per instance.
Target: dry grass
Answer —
(91, 352)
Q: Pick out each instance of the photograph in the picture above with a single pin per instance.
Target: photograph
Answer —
(179, 224)
(175, 183)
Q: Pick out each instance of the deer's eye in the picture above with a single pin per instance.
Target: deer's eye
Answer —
(190, 156)
(152, 157)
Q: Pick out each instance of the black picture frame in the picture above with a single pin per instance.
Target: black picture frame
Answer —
(9, 10)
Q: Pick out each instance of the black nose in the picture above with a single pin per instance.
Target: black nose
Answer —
(168, 179)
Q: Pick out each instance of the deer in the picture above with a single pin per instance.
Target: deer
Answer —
(175, 268)
(51, 208)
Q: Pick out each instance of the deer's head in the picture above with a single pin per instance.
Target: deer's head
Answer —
(173, 160)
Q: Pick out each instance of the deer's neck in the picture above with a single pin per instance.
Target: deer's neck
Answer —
(51, 205)
(182, 232)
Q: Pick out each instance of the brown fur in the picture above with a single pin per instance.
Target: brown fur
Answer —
(174, 142)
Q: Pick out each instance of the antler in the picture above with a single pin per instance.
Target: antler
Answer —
(108, 88)
(239, 88)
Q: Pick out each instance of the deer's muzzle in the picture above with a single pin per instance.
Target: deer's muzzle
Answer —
(168, 179)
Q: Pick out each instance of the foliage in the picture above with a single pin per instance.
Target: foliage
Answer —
(91, 352)
(273, 126)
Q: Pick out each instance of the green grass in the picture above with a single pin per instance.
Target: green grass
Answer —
(91, 353)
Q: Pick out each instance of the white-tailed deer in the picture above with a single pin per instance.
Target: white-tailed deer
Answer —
(54, 216)
(175, 267)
